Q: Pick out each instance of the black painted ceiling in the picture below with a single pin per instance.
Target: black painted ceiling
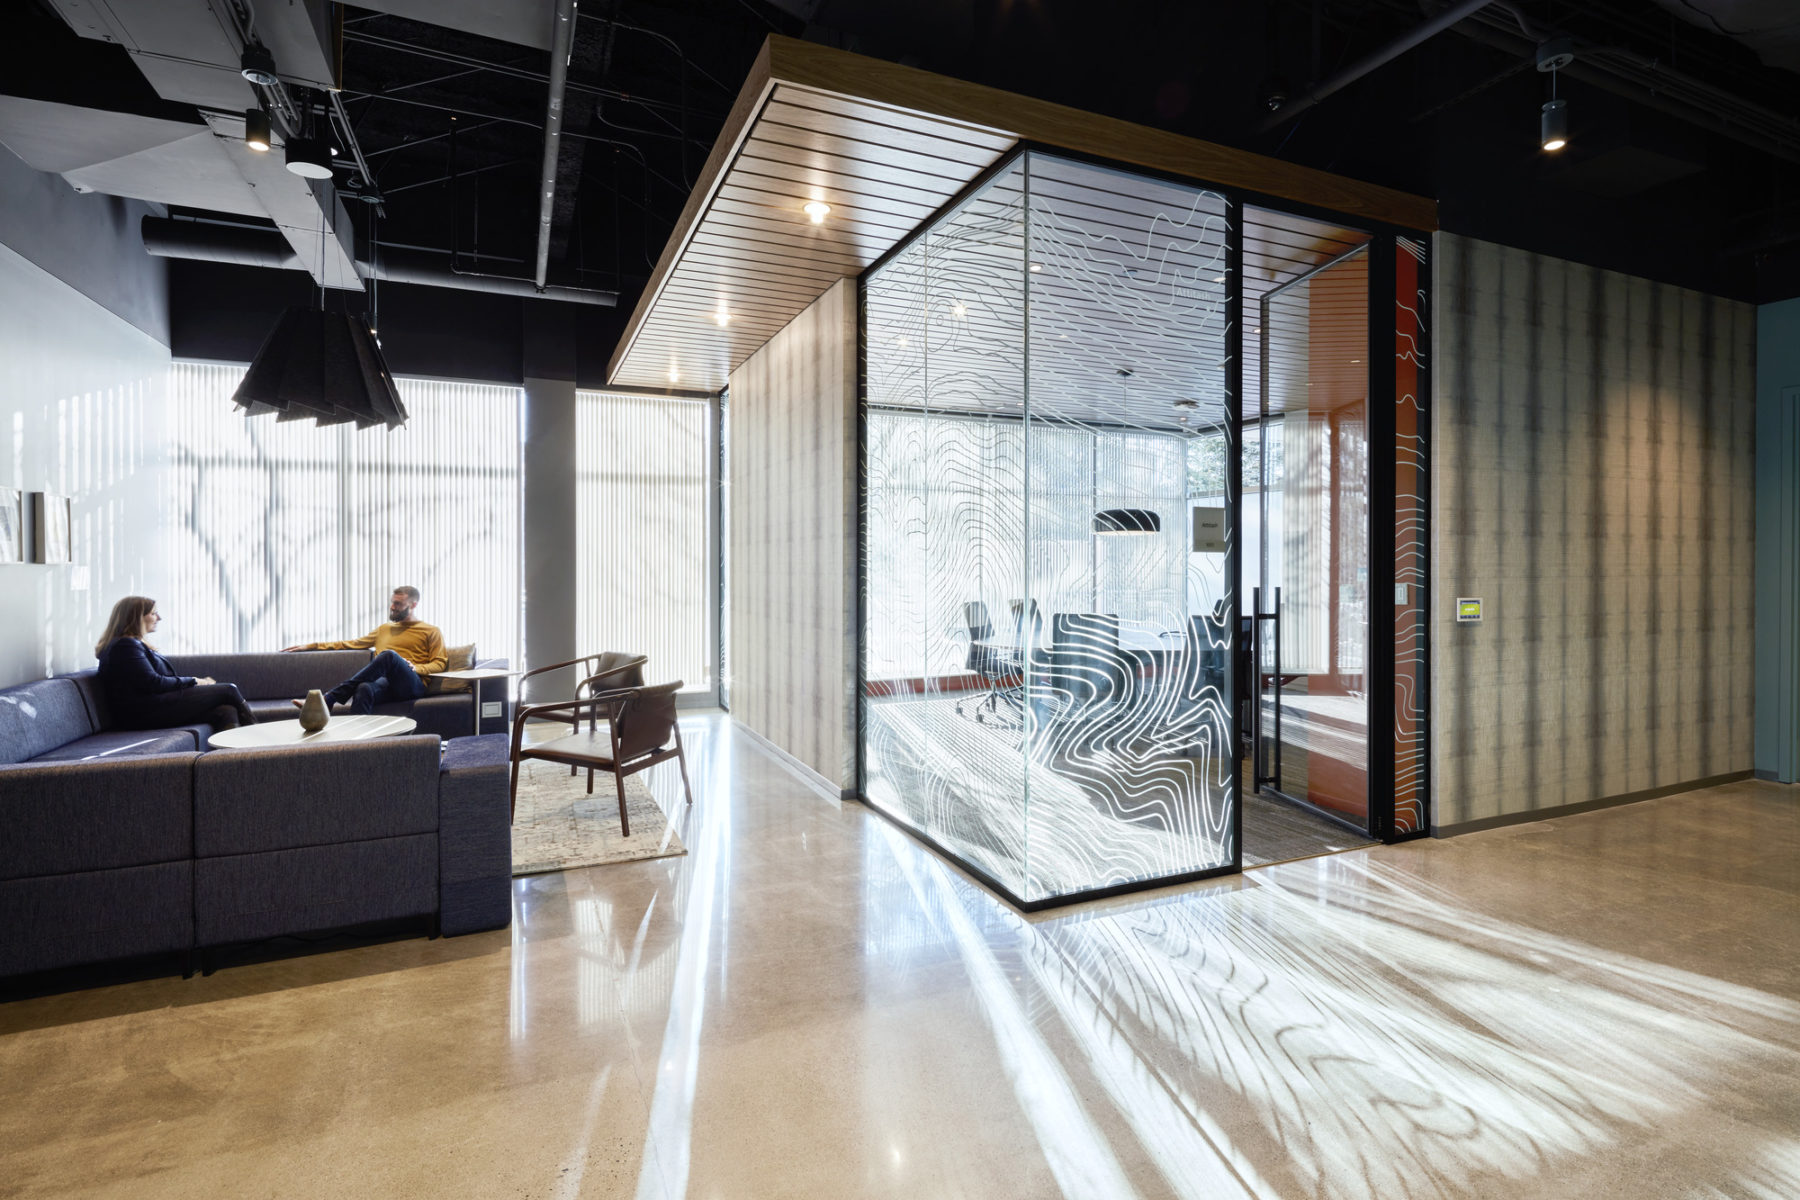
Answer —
(451, 122)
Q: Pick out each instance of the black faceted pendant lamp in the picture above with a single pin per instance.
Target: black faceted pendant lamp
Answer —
(325, 366)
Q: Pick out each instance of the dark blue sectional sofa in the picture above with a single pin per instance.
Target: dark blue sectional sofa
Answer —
(121, 844)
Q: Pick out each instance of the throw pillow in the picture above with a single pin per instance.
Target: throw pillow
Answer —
(459, 658)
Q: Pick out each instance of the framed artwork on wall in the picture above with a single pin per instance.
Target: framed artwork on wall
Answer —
(12, 526)
(52, 530)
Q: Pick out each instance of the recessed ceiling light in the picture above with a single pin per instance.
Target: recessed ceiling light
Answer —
(815, 211)
(1218, 279)
(1356, 360)
(957, 310)
(722, 317)
(1036, 267)
(674, 374)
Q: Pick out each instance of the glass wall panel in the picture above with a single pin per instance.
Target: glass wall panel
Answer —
(1314, 502)
(284, 532)
(643, 521)
(1046, 630)
(1131, 628)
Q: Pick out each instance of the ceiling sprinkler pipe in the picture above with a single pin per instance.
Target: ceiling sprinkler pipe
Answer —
(562, 42)
(1372, 62)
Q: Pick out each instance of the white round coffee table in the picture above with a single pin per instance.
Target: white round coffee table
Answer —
(354, 728)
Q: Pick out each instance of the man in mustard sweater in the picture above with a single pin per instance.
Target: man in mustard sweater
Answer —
(407, 650)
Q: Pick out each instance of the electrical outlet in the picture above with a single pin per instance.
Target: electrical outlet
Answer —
(491, 708)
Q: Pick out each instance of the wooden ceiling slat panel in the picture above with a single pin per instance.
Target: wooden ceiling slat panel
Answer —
(784, 165)
(887, 147)
(751, 251)
(788, 273)
(918, 138)
(736, 287)
(748, 197)
(903, 118)
(871, 152)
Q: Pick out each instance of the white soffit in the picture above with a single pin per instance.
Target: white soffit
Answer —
(757, 258)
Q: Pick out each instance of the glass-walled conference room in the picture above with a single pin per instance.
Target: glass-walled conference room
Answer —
(1130, 519)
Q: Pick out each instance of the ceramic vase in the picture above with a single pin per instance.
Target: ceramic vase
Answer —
(315, 713)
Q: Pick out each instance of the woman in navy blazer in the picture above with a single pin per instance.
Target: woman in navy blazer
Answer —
(144, 690)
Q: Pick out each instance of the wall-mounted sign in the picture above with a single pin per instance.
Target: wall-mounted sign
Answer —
(1468, 609)
(1209, 530)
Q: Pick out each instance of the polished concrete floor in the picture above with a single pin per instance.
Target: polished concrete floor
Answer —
(808, 1004)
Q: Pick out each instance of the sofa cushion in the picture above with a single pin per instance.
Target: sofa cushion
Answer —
(273, 710)
(275, 676)
(121, 812)
(474, 835)
(244, 897)
(36, 718)
(62, 920)
(94, 696)
(120, 743)
(252, 800)
(446, 716)
(456, 658)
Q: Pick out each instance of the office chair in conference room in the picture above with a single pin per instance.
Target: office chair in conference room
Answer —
(1087, 670)
(986, 663)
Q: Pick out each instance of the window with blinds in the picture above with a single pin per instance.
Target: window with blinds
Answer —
(285, 532)
(644, 529)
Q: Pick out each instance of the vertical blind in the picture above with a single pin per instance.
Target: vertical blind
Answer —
(643, 526)
(287, 532)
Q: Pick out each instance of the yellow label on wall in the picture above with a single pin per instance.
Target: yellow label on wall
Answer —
(1468, 608)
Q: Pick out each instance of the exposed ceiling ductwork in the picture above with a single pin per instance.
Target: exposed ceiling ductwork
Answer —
(248, 247)
(191, 52)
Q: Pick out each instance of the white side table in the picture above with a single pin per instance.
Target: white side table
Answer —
(476, 676)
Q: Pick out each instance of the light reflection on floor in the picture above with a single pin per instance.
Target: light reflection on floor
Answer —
(810, 1004)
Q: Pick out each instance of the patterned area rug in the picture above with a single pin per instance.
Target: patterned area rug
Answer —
(559, 826)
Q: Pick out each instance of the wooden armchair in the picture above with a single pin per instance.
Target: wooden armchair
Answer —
(602, 672)
(639, 726)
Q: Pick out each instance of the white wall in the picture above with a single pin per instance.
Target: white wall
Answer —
(81, 414)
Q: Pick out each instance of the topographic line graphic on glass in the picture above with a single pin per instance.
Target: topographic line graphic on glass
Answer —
(1410, 340)
(1046, 644)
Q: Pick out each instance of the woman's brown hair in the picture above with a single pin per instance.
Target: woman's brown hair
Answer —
(127, 620)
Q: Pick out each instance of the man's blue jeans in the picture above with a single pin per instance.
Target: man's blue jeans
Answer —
(388, 679)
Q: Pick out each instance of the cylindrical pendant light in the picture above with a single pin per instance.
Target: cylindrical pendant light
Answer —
(1553, 125)
(256, 129)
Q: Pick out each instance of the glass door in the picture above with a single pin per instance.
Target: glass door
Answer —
(1312, 582)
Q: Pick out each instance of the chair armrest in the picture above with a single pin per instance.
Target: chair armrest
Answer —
(573, 662)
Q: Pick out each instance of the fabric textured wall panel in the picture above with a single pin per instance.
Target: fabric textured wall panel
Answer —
(793, 538)
(1594, 484)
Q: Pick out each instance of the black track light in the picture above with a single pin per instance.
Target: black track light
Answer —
(257, 65)
(256, 130)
